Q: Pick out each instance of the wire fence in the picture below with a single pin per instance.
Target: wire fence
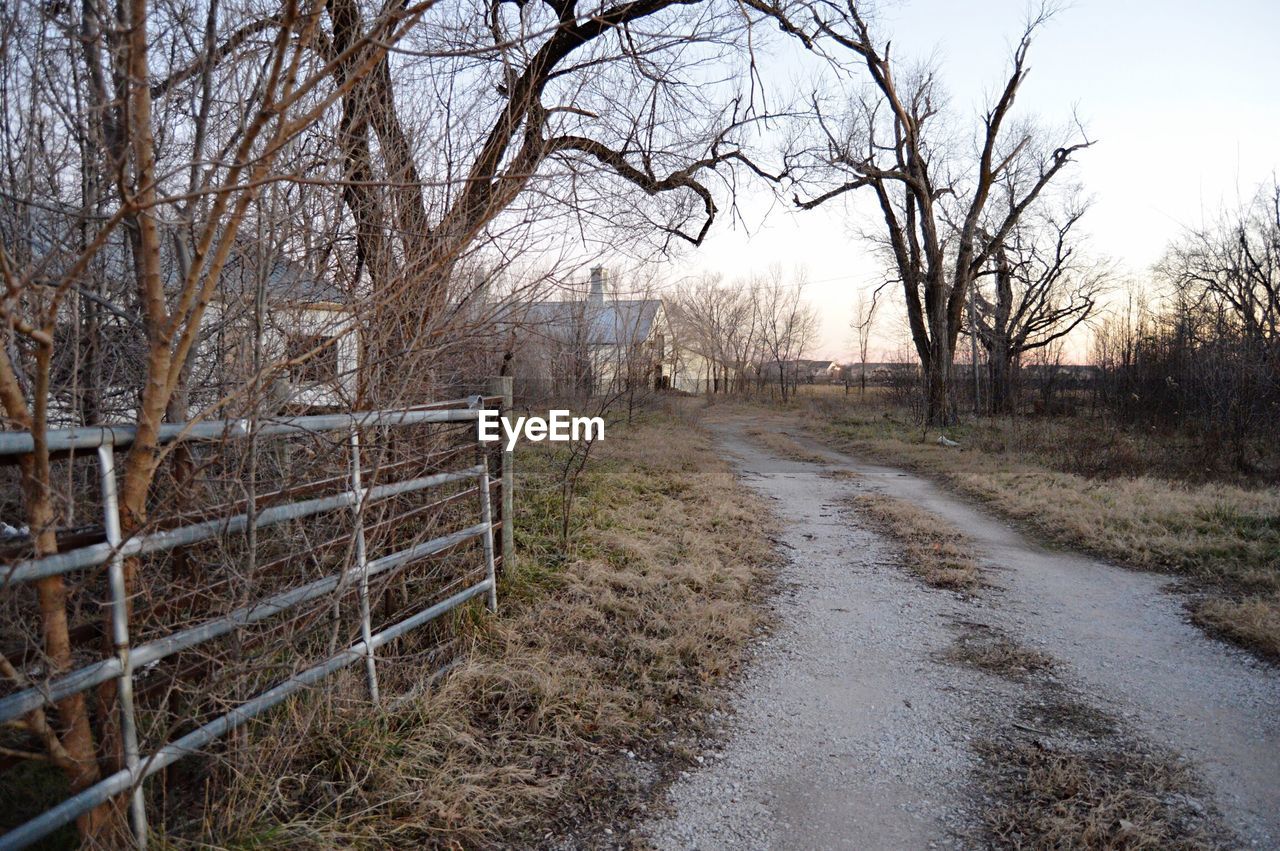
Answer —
(292, 548)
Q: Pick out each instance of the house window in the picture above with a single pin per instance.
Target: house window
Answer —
(313, 358)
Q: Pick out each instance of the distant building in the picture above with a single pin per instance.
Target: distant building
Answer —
(801, 371)
(887, 374)
(590, 345)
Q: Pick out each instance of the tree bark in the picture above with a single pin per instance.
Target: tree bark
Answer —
(1001, 372)
(51, 593)
(940, 404)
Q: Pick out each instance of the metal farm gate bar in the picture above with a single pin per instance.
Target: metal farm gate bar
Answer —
(354, 497)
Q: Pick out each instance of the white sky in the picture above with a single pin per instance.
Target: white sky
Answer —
(1179, 95)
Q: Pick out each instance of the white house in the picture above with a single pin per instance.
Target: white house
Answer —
(99, 367)
(309, 327)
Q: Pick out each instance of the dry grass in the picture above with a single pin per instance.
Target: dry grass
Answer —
(989, 650)
(1054, 797)
(784, 445)
(1251, 622)
(933, 549)
(1071, 778)
(1062, 774)
(1224, 536)
(618, 647)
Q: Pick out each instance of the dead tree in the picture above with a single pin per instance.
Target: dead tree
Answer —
(941, 225)
(788, 326)
(864, 319)
(1041, 289)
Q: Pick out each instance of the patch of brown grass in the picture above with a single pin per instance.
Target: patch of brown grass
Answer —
(991, 651)
(933, 549)
(1252, 622)
(1069, 778)
(1072, 779)
(1055, 797)
(619, 647)
(784, 445)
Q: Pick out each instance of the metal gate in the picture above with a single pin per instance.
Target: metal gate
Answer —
(114, 550)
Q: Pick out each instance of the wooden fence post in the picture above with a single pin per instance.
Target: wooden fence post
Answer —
(504, 386)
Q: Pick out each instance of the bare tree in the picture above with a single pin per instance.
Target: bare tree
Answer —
(1208, 356)
(695, 312)
(520, 128)
(788, 325)
(1042, 287)
(1199, 351)
(1233, 267)
(720, 323)
(942, 224)
(864, 319)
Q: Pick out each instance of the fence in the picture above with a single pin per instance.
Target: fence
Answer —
(355, 498)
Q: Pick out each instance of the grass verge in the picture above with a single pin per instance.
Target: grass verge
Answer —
(562, 711)
(1226, 537)
(1250, 622)
(932, 549)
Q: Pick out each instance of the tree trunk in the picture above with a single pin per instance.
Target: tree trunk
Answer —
(940, 406)
(409, 285)
(51, 593)
(1001, 371)
(940, 403)
(1001, 353)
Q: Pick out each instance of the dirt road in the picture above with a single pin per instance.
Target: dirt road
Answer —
(852, 729)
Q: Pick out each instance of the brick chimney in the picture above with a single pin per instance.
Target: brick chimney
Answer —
(599, 279)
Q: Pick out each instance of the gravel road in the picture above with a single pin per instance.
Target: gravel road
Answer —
(849, 730)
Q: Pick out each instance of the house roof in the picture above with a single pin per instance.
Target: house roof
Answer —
(286, 282)
(805, 363)
(49, 234)
(610, 322)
